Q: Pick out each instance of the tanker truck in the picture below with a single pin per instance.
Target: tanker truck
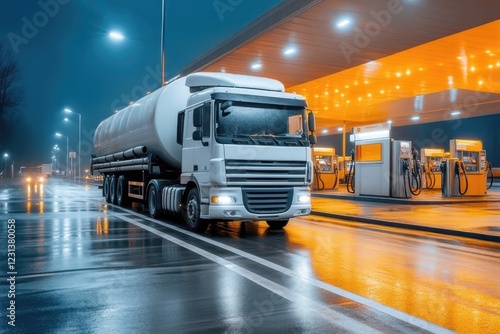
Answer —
(210, 147)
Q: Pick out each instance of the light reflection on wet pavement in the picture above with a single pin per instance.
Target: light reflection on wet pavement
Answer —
(89, 267)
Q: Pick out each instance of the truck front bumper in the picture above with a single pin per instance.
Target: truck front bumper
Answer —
(229, 204)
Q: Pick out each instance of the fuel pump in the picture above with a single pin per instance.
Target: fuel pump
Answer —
(431, 159)
(325, 168)
(318, 184)
(454, 178)
(428, 176)
(402, 170)
(351, 174)
(415, 182)
(472, 166)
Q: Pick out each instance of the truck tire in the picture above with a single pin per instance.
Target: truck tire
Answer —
(193, 220)
(154, 210)
(105, 188)
(277, 224)
(112, 189)
(121, 191)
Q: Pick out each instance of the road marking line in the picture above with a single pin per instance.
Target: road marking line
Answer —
(410, 319)
(328, 314)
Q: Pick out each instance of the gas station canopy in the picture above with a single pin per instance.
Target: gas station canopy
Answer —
(371, 61)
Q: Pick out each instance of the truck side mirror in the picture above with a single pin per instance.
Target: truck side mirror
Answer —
(197, 118)
(311, 121)
(198, 135)
(312, 139)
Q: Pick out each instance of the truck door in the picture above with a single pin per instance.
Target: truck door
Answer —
(196, 151)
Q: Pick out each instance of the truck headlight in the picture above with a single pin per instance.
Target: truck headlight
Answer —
(222, 199)
(304, 198)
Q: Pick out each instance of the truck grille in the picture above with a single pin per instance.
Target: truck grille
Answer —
(267, 201)
(262, 173)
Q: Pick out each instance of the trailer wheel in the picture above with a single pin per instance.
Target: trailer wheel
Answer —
(277, 224)
(154, 210)
(193, 220)
(105, 188)
(121, 191)
(112, 190)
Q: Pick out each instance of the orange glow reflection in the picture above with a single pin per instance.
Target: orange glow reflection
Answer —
(102, 226)
(418, 283)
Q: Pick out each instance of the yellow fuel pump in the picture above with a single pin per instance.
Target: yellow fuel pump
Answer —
(326, 172)
(471, 167)
(431, 172)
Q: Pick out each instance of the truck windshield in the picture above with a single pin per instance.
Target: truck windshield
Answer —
(260, 124)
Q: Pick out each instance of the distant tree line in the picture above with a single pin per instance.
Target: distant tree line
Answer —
(11, 93)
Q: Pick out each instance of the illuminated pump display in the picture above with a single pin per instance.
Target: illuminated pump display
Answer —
(326, 174)
(471, 167)
(431, 170)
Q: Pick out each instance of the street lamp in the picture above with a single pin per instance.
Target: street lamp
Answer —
(118, 37)
(67, 151)
(69, 111)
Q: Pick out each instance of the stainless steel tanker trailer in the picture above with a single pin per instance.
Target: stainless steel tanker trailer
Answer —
(211, 147)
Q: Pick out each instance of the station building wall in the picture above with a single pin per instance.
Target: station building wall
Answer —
(438, 135)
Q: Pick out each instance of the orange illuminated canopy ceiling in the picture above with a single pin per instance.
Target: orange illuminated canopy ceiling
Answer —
(458, 75)
(369, 61)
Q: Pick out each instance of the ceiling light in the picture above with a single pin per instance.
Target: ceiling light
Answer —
(290, 51)
(415, 118)
(343, 23)
(256, 66)
(340, 129)
(389, 121)
(324, 131)
(455, 113)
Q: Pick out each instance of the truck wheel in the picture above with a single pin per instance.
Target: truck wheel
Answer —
(277, 224)
(105, 188)
(121, 191)
(193, 220)
(112, 190)
(154, 210)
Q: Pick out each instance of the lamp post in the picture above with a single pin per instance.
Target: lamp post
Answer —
(162, 47)
(67, 151)
(79, 137)
(4, 169)
(55, 150)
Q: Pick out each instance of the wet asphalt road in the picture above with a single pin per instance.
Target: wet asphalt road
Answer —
(84, 266)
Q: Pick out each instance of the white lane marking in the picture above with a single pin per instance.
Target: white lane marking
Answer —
(408, 318)
(327, 313)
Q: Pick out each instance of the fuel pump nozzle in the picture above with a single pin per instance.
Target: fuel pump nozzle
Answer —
(350, 175)
(459, 165)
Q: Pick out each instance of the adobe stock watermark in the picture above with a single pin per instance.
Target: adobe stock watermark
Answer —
(467, 106)
(363, 37)
(224, 6)
(30, 28)
(150, 82)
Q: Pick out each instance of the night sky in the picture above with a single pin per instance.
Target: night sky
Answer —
(67, 60)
